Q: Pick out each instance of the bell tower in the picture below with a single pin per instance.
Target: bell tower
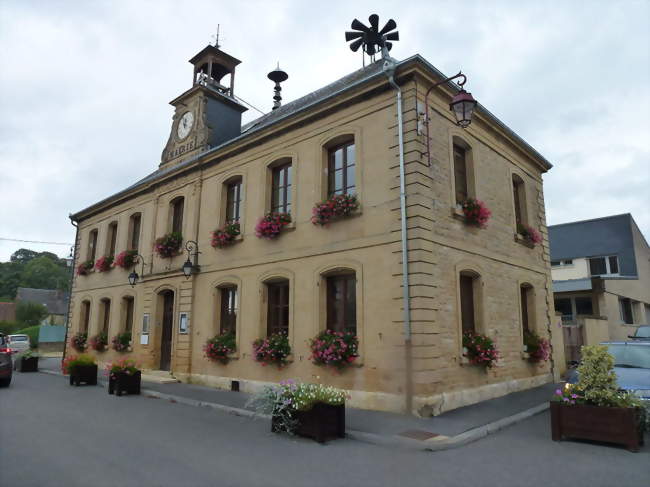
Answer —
(208, 114)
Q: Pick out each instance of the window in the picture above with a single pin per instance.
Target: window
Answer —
(112, 239)
(342, 303)
(340, 169)
(277, 319)
(85, 316)
(228, 309)
(177, 205)
(233, 201)
(128, 314)
(564, 306)
(92, 245)
(281, 189)
(527, 307)
(469, 285)
(584, 306)
(460, 174)
(602, 266)
(134, 231)
(625, 305)
(106, 314)
(561, 263)
(519, 196)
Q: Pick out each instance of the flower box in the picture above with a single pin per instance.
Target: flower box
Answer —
(321, 423)
(28, 364)
(271, 225)
(84, 373)
(169, 245)
(121, 382)
(226, 235)
(623, 426)
(334, 208)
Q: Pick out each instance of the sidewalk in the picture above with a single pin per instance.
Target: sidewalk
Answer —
(449, 430)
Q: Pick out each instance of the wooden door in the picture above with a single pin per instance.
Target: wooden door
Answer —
(166, 334)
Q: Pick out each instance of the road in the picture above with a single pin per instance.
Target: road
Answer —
(52, 434)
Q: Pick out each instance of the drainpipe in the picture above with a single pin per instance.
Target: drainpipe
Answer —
(74, 260)
(389, 69)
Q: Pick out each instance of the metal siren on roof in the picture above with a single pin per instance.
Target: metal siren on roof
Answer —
(371, 38)
(463, 104)
(277, 76)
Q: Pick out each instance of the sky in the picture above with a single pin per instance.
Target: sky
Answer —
(85, 89)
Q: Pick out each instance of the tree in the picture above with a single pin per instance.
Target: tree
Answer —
(44, 273)
(30, 313)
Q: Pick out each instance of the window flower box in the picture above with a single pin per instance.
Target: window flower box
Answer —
(226, 235)
(536, 348)
(270, 225)
(104, 264)
(479, 349)
(99, 342)
(334, 349)
(126, 259)
(528, 234)
(274, 350)
(169, 245)
(28, 363)
(79, 341)
(476, 213)
(85, 268)
(220, 348)
(121, 342)
(335, 207)
(321, 423)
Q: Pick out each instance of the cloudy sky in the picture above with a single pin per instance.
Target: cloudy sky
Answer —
(85, 86)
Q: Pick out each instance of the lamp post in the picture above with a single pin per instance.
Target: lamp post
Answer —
(191, 267)
(134, 277)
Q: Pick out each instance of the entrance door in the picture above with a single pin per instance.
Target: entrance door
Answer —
(166, 335)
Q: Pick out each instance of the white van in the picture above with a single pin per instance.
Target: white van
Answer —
(18, 343)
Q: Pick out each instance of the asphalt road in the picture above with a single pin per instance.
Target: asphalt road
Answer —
(52, 434)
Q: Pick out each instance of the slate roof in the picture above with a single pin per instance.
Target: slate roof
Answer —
(55, 301)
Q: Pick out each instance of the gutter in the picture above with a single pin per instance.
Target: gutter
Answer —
(74, 260)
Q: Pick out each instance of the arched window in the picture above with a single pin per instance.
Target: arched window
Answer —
(228, 303)
(233, 188)
(526, 297)
(176, 207)
(85, 316)
(135, 222)
(105, 315)
(281, 187)
(92, 245)
(519, 195)
(277, 314)
(470, 294)
(128, 304)
(112, 239)
(341, 307)
(341, 168)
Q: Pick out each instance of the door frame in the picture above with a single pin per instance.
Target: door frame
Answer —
(160, 314)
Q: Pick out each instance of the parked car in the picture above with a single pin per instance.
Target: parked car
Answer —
(19, 343)
(5, 362)
(631, 366)
(641, 333)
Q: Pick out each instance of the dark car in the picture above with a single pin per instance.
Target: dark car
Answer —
(5, 362)
(642, 333)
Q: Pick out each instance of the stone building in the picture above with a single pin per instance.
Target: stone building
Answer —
(342, 138)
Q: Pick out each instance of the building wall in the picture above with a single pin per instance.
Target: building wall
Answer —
(578, 270)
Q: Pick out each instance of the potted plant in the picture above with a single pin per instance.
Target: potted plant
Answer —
(82, 368)
(99, 342)
(274, 349)
(85, 268)
(226, 235)
(529, 234)
(79, 341)
(168, 245)
(121, 342)
(335, 207)
(310, 410)
(104, 263)
(270, 225)
(124, 376)
(28, 362)
(334, 349)
(219, 348)
(537, 348)
(126, 259)
(594, 408)
(476, 212)
(479, 349)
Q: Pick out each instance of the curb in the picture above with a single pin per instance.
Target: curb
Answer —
(446, 443)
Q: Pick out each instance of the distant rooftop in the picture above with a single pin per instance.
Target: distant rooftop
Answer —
(55, 301)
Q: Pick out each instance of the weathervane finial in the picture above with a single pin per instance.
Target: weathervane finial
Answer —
(216, 37)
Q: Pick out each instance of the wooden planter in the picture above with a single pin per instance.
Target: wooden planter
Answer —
(84, 373)
(122, 382)
(29, 364)
(623, 426)
(321, 423)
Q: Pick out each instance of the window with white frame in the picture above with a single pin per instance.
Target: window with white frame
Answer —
(562, 263)
(603, 266)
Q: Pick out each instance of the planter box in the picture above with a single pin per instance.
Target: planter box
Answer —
(623, 426)
(84, 373)
(124, 383)
(28, 364)
(321, 423)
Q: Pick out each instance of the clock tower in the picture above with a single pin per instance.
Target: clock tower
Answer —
(208, 114)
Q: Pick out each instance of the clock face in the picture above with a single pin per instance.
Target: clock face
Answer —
(185, 125)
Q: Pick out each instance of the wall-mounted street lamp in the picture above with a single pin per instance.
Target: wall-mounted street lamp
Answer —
(134, 277)
(191, 266)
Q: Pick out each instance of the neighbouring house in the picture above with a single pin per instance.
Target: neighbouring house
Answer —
(601, 279)
(54, 300)
(289, 275)
(7, 311)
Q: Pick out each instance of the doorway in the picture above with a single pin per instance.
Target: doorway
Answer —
(167, 328)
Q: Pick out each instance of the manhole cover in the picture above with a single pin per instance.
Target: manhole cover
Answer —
(418, 434)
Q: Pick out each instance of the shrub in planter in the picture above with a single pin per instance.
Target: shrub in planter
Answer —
(529, 233)
(121, 341)
(168, 245)
(79, 341)
(219, 348)
(538, 348)
(28, 362)
(334, 349)
(99, 342)
(84, 268)
(82, 368)
(226, 235)
(271, 225)
(104, 263)
(479, 349)
(336, 206)
(124, 376)
(476, 213)
(311, 410)
(126, 259)
(274, 349)
(595, 408)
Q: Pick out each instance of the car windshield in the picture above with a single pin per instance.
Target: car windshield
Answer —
(19, 338)
(642, 332)
(630, 355)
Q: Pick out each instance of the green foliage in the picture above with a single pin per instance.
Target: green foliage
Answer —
(10, 327)
(73, 361)
(27, 268)
(32, 333)
(30, 313)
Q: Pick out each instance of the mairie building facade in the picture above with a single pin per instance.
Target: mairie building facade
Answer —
(348, 274)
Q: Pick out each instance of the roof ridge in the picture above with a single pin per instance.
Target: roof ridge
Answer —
(592, 220)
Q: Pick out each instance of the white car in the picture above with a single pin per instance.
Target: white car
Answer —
(18, 343)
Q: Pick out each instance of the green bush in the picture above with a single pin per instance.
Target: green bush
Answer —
(30, 313)
(10, 327)
(32, 333)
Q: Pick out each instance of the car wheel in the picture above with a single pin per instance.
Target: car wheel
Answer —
(5, 382)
